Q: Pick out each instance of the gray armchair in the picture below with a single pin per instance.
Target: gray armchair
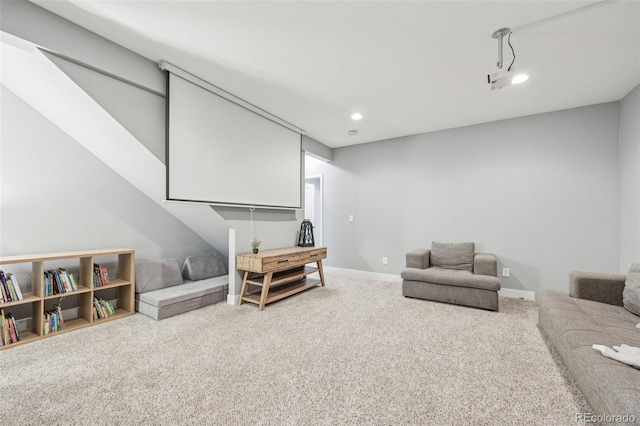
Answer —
(452, 273)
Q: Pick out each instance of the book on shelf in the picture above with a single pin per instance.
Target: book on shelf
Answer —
(4, 289)
(100, 275)
(68, 279)
(60, 274)
(59, 281)
(104, 275)
(16, 286)
(55, 286)
(5, 330)
(9, 326)
(53, 321)
(14, 325)
(102, 308)
(59, 309)
(47, 284)
(73, 281)
(9, 288)
(97, 281)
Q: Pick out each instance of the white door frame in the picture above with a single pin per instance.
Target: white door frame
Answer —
(319, 226)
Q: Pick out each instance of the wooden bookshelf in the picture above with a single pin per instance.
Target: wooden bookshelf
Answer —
(123, 282)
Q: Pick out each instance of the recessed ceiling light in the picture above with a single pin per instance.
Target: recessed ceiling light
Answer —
(356, 116)
(517, 79)
(353, 132)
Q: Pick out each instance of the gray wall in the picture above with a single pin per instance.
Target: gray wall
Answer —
(57, 196)
(630, 180)
(541, 192)
(316, 149)
(46, 29)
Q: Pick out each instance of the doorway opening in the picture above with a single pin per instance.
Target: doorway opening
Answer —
(313, 205)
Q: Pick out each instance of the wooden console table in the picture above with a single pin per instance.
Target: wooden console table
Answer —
(280, 272)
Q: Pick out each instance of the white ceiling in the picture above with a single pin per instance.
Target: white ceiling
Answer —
(408, 67)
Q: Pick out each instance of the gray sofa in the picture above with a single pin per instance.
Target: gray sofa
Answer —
(452, 273)
(591, 314)
(162, 290)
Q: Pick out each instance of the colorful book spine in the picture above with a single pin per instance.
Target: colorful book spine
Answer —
(16, 286)
(5, 289)
(96, 307)
(104, 275)
(14, 324)
(62, 273)
(61, 319)
(12, 288)
(74, 283)
(102, 309)
(5, 329)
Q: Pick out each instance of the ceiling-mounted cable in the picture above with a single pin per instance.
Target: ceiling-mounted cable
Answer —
(513, 52)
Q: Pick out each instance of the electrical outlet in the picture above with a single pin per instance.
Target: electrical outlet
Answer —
(350, 218)
(505, 272)
(385, 261)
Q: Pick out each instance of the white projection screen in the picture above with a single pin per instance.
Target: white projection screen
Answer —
(219, 152)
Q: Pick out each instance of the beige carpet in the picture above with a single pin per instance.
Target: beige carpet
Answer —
(354, 352)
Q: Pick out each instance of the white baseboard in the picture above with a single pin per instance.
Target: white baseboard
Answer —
(516, 294)
(365, 274)
(505, 292)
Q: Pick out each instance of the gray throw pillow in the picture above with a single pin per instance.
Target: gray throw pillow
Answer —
(203, 266)
(453, 255)
(631, 292)
(157, 274)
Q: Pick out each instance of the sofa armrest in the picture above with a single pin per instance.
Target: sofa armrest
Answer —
(605, 288)
(418, 258)
(485, 264)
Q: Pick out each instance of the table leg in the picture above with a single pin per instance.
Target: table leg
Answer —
(244, 286)
(321, 272)
(265, 289)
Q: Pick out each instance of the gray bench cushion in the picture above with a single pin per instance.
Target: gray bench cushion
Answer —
(157, 274)
(453, 255)
(180, 307)
(203, 266)
(452, 277)
(183, 292)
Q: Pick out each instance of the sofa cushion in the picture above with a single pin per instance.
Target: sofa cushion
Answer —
(157, 274)
(188, 290)
(203, 266)
(451, 277)
(573, 325)
(453, 255)
(631, 292)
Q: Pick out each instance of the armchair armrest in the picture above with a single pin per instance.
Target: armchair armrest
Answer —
(485, 264)
(418, 258)
(605, 288)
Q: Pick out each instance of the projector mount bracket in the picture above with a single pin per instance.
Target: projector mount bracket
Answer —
(499, 34)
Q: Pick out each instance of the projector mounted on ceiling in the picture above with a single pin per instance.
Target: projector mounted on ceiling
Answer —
(502, 78)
